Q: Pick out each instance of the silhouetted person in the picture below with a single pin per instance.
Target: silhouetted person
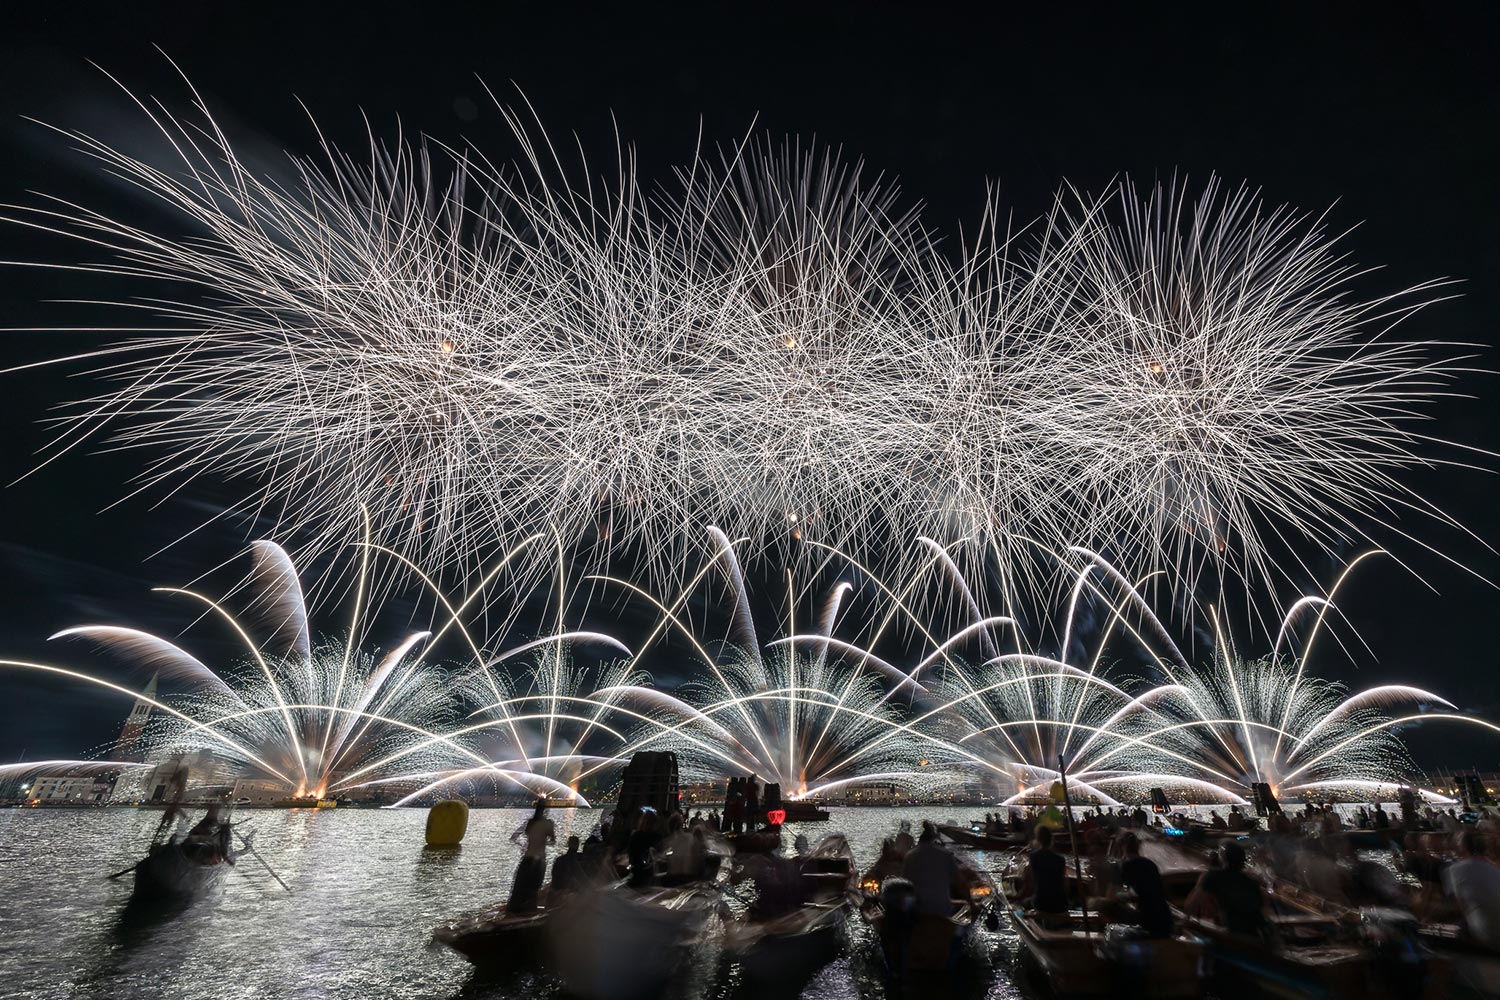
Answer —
(734, 806)
(1044, 885)
(1473, 882)
(1238, 898)
(642, 843)
(539, 832)
(752, 804)
(932, 871)
(1143, 877)
(569, 870)
(1382, 820)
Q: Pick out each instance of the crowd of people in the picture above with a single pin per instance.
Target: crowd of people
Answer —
(655, 850)
(1439, 866)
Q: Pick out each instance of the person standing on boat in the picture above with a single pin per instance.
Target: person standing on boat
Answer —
(752, 805)
(904, 841)
(1473, 881)
(642, 850)
(1044, 885)
(1143, 877)
(932, 871)
(539, 832)
(734, 806)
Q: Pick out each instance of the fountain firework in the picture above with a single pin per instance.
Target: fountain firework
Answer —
(327, 716)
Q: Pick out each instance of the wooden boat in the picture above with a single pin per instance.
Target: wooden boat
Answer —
(974, 836)
(1080, 954)
(495, 936)
(775, 943)
(1474, 968)
(589, 939)
(920, 943)
(798, 811)
(181, 868)
(754, 841)
(624, 943)
(1318, 949)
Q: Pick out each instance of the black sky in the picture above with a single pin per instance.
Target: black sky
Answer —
(1394, 120)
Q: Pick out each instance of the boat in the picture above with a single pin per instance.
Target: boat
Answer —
(494, 936)
(628, 944)
(1316, 948)
(181, 868)
(975, 837)
(1080, 954)
(754, 841)
(784, 938)
(798, 811)
(920, 943)
(587, 937)
(1475, 968)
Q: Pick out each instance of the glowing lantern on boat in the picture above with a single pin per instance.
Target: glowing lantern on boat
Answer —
(776, 817)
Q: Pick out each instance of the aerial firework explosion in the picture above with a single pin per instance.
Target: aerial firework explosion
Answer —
(773, 345)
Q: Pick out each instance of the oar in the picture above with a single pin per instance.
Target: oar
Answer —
(127, 871)
(251, 849)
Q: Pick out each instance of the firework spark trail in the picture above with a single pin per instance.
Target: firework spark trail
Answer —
(773, 345)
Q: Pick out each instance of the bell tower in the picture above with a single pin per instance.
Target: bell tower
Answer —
(128, 746)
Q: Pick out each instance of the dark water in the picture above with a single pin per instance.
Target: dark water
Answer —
(365, 896)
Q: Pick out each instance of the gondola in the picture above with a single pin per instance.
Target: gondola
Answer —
(623, 943)
(495, 936)
(974, 837)
(785, 937)
(181, 869)
(590, 938)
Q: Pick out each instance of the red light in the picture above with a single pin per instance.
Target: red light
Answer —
(776, 816)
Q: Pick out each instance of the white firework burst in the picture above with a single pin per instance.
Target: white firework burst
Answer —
(775, 346)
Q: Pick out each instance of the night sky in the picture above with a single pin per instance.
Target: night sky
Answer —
(1393, 123)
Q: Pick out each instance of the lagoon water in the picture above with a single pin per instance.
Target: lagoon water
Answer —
(364, 899)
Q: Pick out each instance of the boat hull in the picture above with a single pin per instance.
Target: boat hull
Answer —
(170, 873)
(1083, 961)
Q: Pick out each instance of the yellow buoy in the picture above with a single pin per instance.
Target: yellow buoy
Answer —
(447, 821)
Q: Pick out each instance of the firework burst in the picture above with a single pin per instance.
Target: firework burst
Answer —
(773, 345)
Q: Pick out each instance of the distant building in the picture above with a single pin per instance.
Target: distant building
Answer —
(128, 747)
(208, 777)
(70, 789)
(872, 793)
(1477, 787)
(261, 791)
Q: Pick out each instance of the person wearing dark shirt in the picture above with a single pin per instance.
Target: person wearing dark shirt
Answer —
(1237, 897)
(1045, 882)
(1143, 877)
(753, 815)
(569, 870)
(640, 849)
(932, 872)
